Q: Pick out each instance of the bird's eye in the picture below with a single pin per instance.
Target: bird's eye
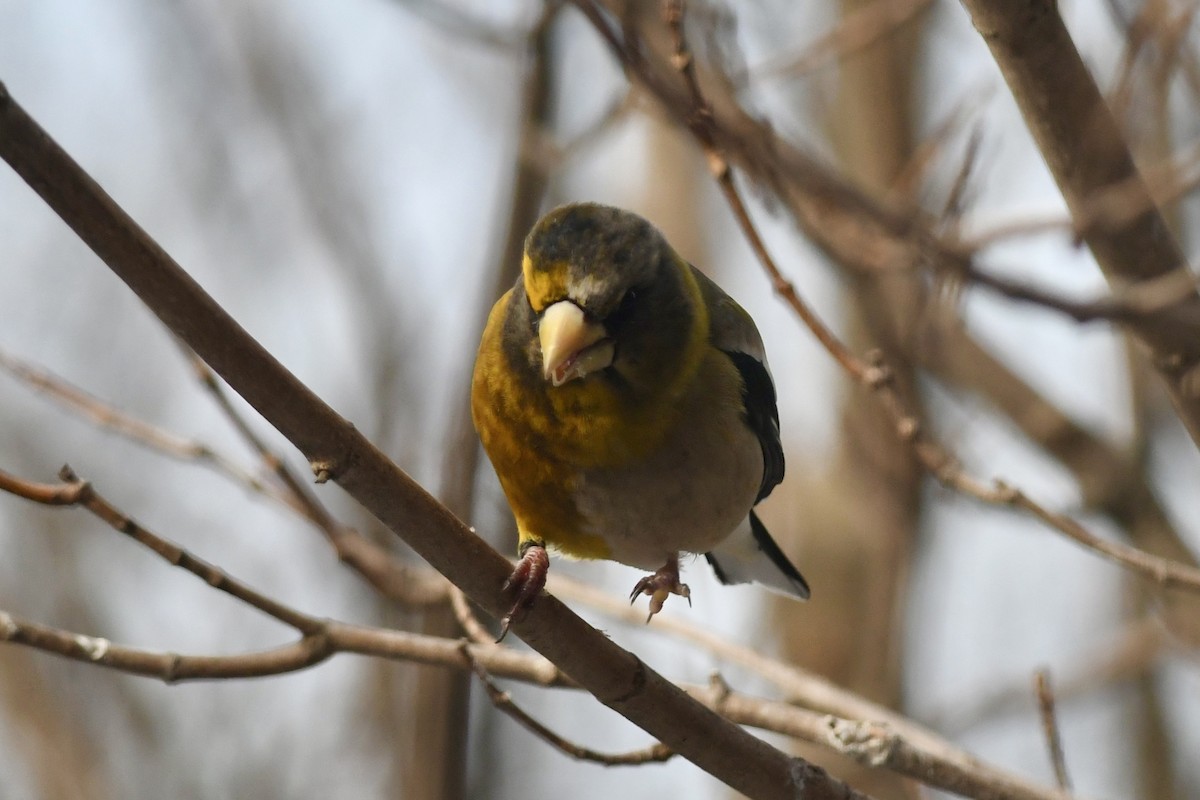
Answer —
(623, 310)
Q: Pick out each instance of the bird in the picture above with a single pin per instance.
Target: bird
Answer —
(625, 403)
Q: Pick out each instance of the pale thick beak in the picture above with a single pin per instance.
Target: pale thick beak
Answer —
(572, 346)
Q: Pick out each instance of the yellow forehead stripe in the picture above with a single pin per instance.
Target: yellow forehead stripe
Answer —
(544, 286)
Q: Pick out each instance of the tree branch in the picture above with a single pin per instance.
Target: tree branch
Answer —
(1045, 699)
(339, 452)
(503, 702)
(105, 415)
(1086, 153)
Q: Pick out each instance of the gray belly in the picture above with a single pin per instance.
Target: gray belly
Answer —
(690, 494)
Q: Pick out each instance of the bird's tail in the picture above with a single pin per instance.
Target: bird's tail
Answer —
(751, 555)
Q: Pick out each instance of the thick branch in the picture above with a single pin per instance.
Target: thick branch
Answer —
(1086, 153)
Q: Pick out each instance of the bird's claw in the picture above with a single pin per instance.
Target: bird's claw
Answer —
(660, 586)
(525, 583)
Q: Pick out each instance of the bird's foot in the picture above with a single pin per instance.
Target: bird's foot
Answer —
(525, 583)
(660, 586)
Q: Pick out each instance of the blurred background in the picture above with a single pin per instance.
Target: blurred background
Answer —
(343, 178)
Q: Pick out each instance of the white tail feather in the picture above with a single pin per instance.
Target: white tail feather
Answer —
(750, 555)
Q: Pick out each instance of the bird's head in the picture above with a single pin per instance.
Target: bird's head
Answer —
(607, 293)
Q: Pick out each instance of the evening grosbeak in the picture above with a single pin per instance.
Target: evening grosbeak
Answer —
(625, 403)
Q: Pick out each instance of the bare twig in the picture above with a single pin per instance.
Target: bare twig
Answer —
(503, 702)
(86, 496)
(872, 744)
(701, 122)
(334, 637)
(1108, 208)
(390, 576)
(467, 619)
(298, 492)
(1143, 300)
(1045, 700)
(112, 418)
(48, 494)
(1165, 572)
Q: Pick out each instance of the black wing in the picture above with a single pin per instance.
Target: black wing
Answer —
(762, 415)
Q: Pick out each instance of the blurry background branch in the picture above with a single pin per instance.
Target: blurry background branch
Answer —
(353, 186)
(1080, 140)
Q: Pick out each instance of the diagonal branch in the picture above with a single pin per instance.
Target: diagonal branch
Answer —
(339, 452)
(1046, 710)
(107, 416)
(502, 700)
(1086, 153)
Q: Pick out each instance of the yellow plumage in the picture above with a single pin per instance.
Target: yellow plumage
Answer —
(624, 402)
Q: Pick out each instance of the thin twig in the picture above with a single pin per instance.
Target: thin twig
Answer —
(336, 637)
(1110, 207)
(1045, 700)
(298, 491)
(87, 497)
(108, 416)
(700, 121)
(466, 617)
(390, 576)
(503, 702)
(1165, 572)
(1152, 297)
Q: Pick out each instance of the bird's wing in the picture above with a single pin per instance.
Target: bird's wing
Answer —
(732, 331)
